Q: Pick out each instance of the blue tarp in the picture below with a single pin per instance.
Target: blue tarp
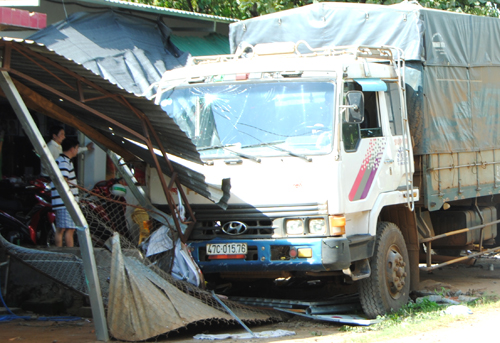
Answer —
(129, 51)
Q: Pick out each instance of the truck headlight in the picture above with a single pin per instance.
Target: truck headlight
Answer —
(317, 226)
(294, 227)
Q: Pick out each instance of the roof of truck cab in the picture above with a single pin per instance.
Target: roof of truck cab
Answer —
(324, 66)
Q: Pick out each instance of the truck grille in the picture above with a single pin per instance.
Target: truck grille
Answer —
(245, 221)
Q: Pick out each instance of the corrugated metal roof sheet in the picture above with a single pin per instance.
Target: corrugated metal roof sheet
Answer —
(133, 54)
(40, 73)
(162, 10)
(212, 44)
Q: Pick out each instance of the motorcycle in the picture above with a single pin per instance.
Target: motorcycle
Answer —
(15, 231)
(26, 214)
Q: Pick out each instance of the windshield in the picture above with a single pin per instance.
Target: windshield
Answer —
(259, 119)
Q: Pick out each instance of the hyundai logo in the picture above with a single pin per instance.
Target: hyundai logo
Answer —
(234, 228)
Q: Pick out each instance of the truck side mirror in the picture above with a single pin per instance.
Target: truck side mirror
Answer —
(356, 106)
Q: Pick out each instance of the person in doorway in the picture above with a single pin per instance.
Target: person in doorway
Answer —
(57, 135)
(65, 226)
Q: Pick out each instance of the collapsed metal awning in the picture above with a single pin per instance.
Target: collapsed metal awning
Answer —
(110, 116)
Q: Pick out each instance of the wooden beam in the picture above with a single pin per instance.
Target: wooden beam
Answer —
(38, 103)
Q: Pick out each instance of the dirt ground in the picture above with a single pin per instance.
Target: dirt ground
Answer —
(483, 278)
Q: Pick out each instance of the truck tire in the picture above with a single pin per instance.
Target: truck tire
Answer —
(388, 287)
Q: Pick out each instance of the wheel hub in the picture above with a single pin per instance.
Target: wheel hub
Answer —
(395, 272)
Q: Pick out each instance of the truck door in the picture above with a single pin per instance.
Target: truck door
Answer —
(369, 165)
(390, 105)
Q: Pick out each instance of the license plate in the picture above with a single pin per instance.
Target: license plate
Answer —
(227, 249)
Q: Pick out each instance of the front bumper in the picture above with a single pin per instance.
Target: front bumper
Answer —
(328, 254)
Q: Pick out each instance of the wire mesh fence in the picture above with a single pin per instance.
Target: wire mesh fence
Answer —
(143, 270)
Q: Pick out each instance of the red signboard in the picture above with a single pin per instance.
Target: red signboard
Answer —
(13, 18)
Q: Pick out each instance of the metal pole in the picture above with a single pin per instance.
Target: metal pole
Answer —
(232, 314)
(86, 248)
(81, 161)
(460, 259)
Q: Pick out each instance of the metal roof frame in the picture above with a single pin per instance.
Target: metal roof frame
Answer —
(68, 92)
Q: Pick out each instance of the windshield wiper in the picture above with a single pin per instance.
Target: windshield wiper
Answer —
(250, 157)
(273, 146)
(239, 154)
(304, 157)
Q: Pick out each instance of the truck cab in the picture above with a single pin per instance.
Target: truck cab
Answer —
(316, 145)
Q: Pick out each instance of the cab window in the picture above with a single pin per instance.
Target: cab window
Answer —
(371, 126)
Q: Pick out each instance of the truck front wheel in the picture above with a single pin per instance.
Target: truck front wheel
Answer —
(388, 287)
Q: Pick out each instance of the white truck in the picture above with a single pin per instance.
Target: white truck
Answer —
(346, 160)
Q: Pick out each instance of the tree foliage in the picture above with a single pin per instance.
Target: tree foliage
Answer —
(244, 9)
(477, 7)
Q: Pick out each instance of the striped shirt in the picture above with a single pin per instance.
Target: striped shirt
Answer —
(56, 150)
(68, 171)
